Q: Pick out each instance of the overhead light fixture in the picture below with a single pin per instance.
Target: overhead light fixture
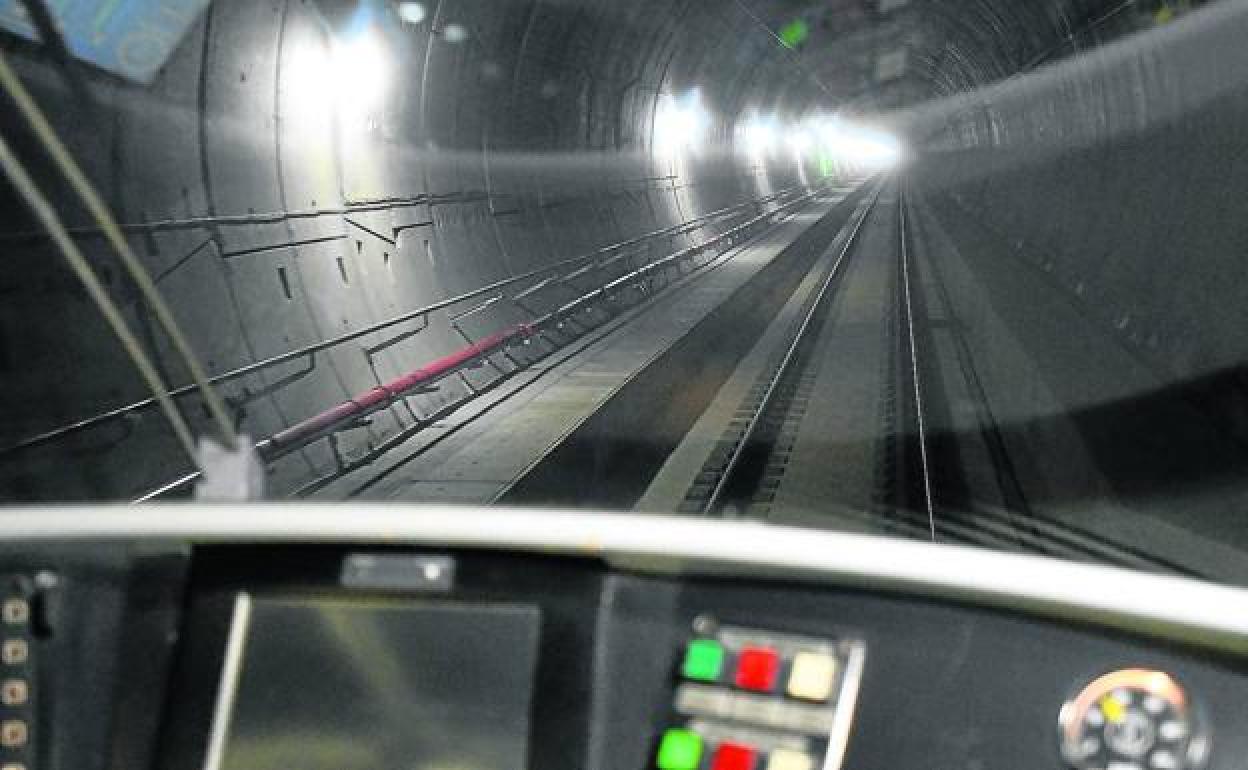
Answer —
(361, 71)
(799, 141)
(352, 73)
(759, 136)
(412, 13)
(860, 146)
(304, 79)
(360, 63)
(680, 124)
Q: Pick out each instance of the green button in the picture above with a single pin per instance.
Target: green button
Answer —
(704, 660)
(680, 750)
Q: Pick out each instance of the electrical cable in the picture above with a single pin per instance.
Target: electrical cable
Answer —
(47, 216)
(47, 136)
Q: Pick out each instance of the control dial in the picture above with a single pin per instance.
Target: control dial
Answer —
(1133, 719)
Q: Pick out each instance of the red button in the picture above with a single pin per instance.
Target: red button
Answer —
(758, 669)
(734, 756)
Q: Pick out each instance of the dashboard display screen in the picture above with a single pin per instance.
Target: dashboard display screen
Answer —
(349, 685)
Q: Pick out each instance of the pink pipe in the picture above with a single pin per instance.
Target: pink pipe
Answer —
(370, 401)
(376, 398)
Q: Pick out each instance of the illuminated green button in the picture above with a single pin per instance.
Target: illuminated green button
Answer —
(704, 660)
(680, 750)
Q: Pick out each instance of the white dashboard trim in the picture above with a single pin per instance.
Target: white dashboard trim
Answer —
(231, 673)
(846, 706)
(1197, 612)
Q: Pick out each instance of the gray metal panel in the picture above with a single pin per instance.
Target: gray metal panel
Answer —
(376, 685)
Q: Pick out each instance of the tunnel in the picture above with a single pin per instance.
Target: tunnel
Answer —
(568, 252)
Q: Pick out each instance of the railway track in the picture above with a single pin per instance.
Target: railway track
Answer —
(858, 360)
(743, 464)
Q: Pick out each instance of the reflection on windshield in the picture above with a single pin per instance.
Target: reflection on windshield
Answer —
(962, 272)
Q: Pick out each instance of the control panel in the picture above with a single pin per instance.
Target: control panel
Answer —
(749, 699)
(17, 702)
(515, 661)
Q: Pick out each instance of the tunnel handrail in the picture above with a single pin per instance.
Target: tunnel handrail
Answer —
(277, 217)
(266, 217)
(382, 396)
(120, 412)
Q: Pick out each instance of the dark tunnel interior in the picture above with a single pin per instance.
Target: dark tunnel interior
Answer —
(331, 194)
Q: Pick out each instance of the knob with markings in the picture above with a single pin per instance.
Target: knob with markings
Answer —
(1133, 719)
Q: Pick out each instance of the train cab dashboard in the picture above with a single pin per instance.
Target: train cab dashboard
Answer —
(402, 638)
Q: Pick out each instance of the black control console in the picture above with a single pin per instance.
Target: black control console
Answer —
(750, 699)
(330, 657)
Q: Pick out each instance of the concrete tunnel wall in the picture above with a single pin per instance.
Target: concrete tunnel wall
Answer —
(1122, 174)
(536, 128)
(1099, 203)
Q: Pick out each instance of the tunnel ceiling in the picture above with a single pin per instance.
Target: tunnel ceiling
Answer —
(785, 56)
(875, 55)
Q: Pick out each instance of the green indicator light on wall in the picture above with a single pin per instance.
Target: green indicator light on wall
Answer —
(795, 33)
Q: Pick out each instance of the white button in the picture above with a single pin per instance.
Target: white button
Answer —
(1089, 747)
(1123, 766)
(1164, 760)
(1154, 705)
(13, 733)
(15, 611)
(1172, 731)
(1095, 717)
(786, 759)
(14, 692)
(14, 651)
(812, 676)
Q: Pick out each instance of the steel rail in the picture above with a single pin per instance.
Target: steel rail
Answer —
(1036, 527)
(713, 502)
(915, 377)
